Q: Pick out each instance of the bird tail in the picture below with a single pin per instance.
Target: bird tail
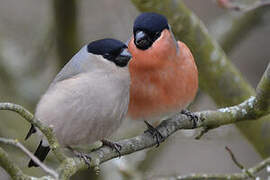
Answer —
(31, 131)
(41, 153)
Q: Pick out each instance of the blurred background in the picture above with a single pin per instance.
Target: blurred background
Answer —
(38, 37)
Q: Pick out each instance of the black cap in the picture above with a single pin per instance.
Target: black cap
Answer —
(111, 49)
(150, 22)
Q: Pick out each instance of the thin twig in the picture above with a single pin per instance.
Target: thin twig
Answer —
(29, 154)
(237, 163)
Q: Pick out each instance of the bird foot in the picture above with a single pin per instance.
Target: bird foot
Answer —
(113, 145)
(154, 132)
(194, 118)
(84, 156)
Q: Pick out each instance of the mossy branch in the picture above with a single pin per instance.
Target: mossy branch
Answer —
(251, 109)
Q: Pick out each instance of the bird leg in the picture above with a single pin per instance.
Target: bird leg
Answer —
(84, 156)
(154, 132)
(113, 145)
(194, 118)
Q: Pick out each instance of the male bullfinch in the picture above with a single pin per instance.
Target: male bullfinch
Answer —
(164, 76)
(88, 98)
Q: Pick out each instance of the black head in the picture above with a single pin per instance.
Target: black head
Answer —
(147, 28)
(111, 49)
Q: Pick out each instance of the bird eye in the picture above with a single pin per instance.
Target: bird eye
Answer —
(108, 56)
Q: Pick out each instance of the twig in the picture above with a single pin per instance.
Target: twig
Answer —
(29, 154)
(237, 163)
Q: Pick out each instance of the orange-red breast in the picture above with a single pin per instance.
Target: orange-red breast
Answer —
(164, 76)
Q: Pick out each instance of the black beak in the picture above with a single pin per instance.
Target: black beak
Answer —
(123, 58)
(139, 37)
(142, 40)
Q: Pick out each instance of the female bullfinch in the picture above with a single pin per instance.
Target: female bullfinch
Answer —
(88, 98)
(164, 76)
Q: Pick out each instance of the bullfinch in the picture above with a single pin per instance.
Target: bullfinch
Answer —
(88, 98)
(164, 76)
